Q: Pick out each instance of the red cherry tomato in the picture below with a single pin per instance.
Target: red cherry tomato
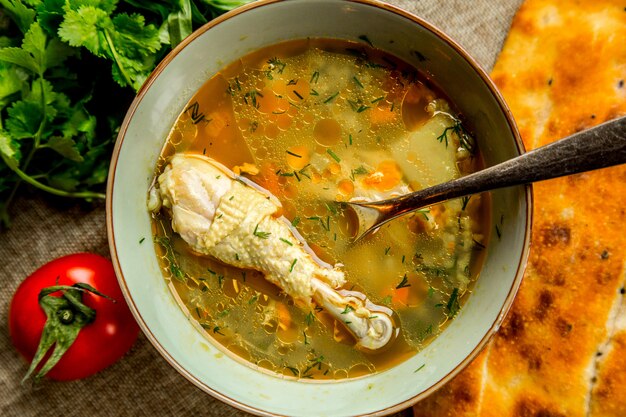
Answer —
(100, 343)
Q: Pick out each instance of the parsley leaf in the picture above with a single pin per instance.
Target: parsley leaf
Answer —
(124, 39)
(57, 127)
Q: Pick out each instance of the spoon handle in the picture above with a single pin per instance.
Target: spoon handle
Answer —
(599, 147)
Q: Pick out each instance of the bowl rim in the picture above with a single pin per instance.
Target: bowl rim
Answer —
(480, 71)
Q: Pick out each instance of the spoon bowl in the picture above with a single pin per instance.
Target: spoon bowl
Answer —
(601, 146)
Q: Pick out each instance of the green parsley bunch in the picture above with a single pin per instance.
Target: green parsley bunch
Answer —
(68, 72)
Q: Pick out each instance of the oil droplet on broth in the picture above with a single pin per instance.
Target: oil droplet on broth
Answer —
(358, 370)
(272, 131)
(327, 132)
(298, 157)
(231, 288)
(346, 188)
(287, 334)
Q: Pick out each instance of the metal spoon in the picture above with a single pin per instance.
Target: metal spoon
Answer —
(598, 147)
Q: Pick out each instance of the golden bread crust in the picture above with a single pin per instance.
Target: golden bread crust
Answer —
(562, 69)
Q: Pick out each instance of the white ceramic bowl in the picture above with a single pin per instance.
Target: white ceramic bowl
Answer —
(145, 129)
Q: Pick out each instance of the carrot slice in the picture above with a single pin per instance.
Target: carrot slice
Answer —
(386, 176)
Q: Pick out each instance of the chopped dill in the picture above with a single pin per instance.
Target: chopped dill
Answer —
(376, 100)
(294, 154)
(358, 171)
(362, 108)
(141, 240)
(357, 82)
(404, 283)
(326, 226)
(276, 63)
(285, 241)
(314, 77)
(348, 309)
(252, 96)
(298, 95)
(333, 155)
(304, 174)
(254, 125)
(432, 270)
(293, 264)
(171, 258)
(465, 140)
(258, 233)
(331, 98)
(453, 303)
(420, 368)
(314, 92)
(310, 318)
(465, 200)
(427, 332)
(295, 221)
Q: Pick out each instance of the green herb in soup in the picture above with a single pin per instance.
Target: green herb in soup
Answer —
(262, 257)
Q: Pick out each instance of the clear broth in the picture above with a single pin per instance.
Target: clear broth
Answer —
(327, 120)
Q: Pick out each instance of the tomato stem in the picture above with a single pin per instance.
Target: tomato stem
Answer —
(66, 316)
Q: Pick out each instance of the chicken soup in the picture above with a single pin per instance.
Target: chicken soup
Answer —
(250, 225)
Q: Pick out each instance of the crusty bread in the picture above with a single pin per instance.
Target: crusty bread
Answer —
(562, 348)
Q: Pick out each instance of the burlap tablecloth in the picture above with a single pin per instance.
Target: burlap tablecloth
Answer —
(142, 383)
